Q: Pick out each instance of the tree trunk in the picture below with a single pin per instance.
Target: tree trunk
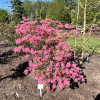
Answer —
(83, 48)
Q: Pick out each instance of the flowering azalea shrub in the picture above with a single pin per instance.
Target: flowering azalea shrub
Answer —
(95, 29)
(8, 32)
(51, 64)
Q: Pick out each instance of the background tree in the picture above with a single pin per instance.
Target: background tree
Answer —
(92, 9)
(18, 10)
(57, 11)
(4, 16)
(41, 9)
(29, 7)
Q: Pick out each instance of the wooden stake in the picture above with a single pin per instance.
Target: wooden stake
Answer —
(81, 62)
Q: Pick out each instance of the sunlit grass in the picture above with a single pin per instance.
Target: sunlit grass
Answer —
(92, 44)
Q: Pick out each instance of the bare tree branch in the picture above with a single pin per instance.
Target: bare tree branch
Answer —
(89, 3)
(92, 25)
(73, 12)
(80, 4)
(91, 7)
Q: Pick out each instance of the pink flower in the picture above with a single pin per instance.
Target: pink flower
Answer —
(47, 73)
(26, 50)
(35, 22)
(67, 71)
(36, 78)
(68, 83)
(52, 80)
(51, 62)
(76, 80)
(26, 72)
(48, 80)
(57, 64)
(40, 51)
(68, 65)
(48, 88)
(77, 69)
(26, 19)
(23, 17)
(47, 56)
(32, 51)
(18, 41)
(63, 72)
(16, 49)
(54, 86)
(74, 65)
(44, 82)
(48, 69)
(62, 64)
(27, 56)
(59, 22)
(61, 86)
(17, 30)
(42, 76)
(75, 35)
(78, 28)
(21, 21)
(66, 25)
(16, 26)
(32, 71)
(22, 58)
(40, 81)
(71, 72)
(83, 79)
(61, 25)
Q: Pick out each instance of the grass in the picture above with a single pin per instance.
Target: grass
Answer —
(92, 44)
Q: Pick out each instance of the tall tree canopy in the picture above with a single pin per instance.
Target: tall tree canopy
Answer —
(17, 9)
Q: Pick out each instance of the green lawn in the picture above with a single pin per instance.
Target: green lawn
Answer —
(93, 43)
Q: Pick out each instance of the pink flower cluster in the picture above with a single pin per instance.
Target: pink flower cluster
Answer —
(51, 62)
(97, 27)
(69, 27)
(74, 32)
(61, 25)
(78, 29)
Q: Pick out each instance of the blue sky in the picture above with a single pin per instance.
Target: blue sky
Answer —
(4, 5)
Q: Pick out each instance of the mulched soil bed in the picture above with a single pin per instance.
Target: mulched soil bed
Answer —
(12, 80)
(92, 35)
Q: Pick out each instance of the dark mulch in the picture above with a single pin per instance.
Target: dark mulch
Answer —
(12, 80)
